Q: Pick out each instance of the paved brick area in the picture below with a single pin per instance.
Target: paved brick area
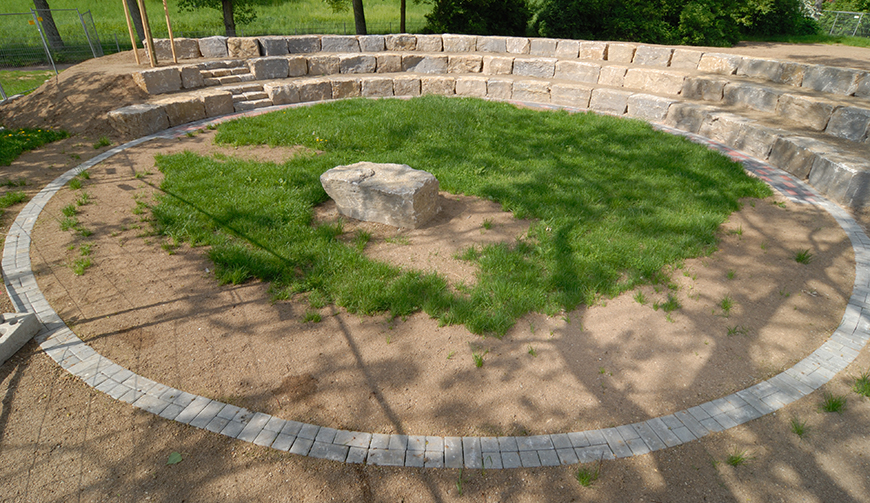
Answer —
(59, 342)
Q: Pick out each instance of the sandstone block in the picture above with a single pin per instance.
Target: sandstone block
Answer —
(723, 64)
(243, 47)
(518, 45)
(339, 43)
(593, 50)
(653, 80)
(274, 46)
(808, 111)
(297, 66)
(459, 43)
(797, 154)
(135, 121)
(499, 88)
(829, 79)
(754, 96)
(568, 49)
(213, 47)
(16, 330)
(704, 88)
(726, 128)
(406, 85)
(686, 58)
(850, 123)
(863, 88)
(543, 47)
(429, 43)
(843, 178)
(437, 85)
(757, 140)
(191, 77)
(389, 63)
(376, 86)
(760, 69)
(346, 87)
(649, 55)
(273, 67)
(400, 42)
(391, 194)
(612, 75)
(648, 107)
(532, 91)
(578, 71)
(314, 90)
(620, 53)
(357, 63)
(573, 95)
(372, 43)
(688, 116)
(185, 48)
(183, 109)
(471, 86)
(216, 102)
(319, 64)
(159, 80)
(793, 73)
(497, 65)
(535, 67)
(464, 63)
(303, 44)
(491, 44)
(611, 101)
(425, 64)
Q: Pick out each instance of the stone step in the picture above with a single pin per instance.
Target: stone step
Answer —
(242, 106)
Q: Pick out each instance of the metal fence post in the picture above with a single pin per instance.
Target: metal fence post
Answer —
(2, 93)
(44, 43)
(99, 46)
(858, 24)
(87, 36)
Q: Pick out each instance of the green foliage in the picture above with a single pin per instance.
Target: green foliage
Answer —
(15, 141)
(847, 5)
(587, 475)
(833, 403)
(862, 384)
(738, 458)
(601, 190)
(799, 427)
(480, 17)
(10, 198)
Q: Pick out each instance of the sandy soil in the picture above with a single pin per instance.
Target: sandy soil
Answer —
(163, 316)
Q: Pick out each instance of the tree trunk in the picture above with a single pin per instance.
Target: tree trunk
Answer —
(136, 17)
(229, 20)
(402, 17)
(48, 26)
(359, 17)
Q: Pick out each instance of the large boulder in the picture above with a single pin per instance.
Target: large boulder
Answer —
(392, 194)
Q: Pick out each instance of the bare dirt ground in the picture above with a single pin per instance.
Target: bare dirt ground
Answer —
(163, 316)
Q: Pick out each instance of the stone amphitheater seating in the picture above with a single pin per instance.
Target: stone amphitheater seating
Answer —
(812, 121)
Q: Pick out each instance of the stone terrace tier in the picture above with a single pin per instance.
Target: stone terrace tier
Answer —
(812, 121)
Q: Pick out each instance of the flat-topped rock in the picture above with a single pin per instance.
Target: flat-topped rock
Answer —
(392, 194)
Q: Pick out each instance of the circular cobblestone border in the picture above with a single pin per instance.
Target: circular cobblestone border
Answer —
(79, 359)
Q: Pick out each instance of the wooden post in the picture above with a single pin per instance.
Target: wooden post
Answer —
(130, 29)
(171, 38)
(149, 41)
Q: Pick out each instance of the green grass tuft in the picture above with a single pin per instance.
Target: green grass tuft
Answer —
(727, 303)
(833, 403)
(75, 184)
(640, 298)
(799, 427)
(587, 475)
(102, 142)
(10, 198)
(311, 317)
(803, 257)
(738, 458)
(862, 384)
(15, 141)
(615, 204)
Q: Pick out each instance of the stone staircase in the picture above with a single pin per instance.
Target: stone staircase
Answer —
(810, 120)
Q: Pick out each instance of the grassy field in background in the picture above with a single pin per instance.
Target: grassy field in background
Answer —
(282, 17)
(616, 205)
(18, 81)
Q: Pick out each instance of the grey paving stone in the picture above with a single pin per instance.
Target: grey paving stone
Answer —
(265, 438)
(511, 460)
(254, 427)
(435, 444)
(712, 425)
(150, 404)
(711, 409)
(275, 424)
(578, 439)
(698, 413)
(233, 428)
(415, 458)
(594, 453)
(386, 457)
(649, 437)
(638, 446)
(507, 444)
(209, 412)
(433, 459)
(664, 433)
(567, 456)
(217, 424)
(725, 420)
(561, 441)
(489, 444)
(616, 443)
(492, 461)
(684, 434)
(291, 428)
(692, 424)
(301, 446)
(416, 443)
(130, 396)
(627, 432)
(380, 441)
(117, 391)
(353, 439)
(671, 421)
(471, 452)
(329, 451)
(171, 411)
(357, 455)
(453, 452)
(308, 431)
(398, 442)
(596, 437)
(325, 435)
(549, 457)
(534, 443)
(283, 442)
(529, 459)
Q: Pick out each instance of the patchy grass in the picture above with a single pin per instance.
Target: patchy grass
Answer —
(833, 403)
(615, 203)
(862, 384)
(15, 141)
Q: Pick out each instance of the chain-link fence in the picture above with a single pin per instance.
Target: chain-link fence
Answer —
(46, 37)
(850, 24)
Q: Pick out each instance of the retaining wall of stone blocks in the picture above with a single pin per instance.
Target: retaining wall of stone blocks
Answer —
(810, 120)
